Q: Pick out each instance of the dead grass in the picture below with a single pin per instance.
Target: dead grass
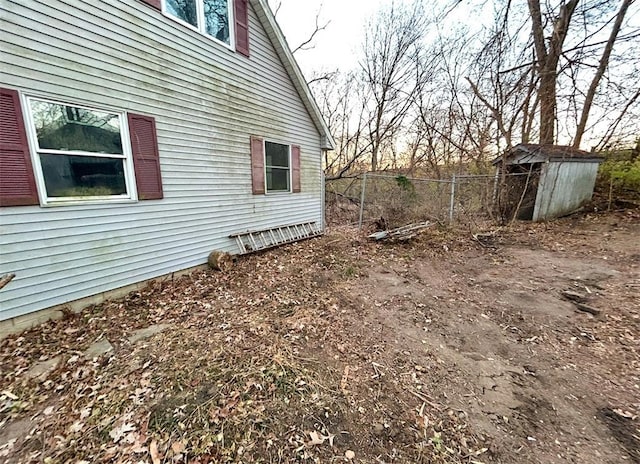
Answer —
(282, 359)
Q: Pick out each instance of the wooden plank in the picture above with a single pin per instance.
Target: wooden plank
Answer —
(401, 233)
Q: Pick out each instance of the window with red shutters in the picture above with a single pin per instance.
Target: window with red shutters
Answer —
(257, 165)
(79, 152)
(242, 26)
(146, 158)
(275, 167)
(295, 169)
(17, 182)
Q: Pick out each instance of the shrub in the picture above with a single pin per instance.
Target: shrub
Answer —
(624, 174)
(620, 173)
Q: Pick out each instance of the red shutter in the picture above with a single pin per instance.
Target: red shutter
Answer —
(154, 3)
(257, 165)
(242, 26)
(17, 182)
(295, 168)
(146, 158)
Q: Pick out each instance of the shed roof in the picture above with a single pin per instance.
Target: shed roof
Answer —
(525, 153)
(270, 25)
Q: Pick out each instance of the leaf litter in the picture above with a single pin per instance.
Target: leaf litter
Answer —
(271, 361)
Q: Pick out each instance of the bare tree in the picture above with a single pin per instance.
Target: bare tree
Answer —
(602, 67)
(548, 53)
(392, 45)
(557, 72)
(421, 99)
(450, 124)
(343, 101)
(502, 77)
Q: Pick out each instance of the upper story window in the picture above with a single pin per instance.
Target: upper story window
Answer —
(210, 17)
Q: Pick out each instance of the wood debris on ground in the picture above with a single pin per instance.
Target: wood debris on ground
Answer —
(401, 234)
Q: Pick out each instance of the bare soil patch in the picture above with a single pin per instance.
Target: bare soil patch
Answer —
(446, 349)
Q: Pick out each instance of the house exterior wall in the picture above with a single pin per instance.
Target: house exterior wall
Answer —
(206, 99)
(563, 188)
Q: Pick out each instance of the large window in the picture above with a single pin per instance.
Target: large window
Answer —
(211, 17)
(277, 163)
(80, 151)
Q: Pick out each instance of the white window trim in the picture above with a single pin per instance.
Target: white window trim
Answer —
(201, 23)
(264, 151)
(34, 149)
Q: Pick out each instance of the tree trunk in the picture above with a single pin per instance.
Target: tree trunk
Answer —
(635, 152)
(547, 94)
(602, 67)
(374, 159)
(547, 58)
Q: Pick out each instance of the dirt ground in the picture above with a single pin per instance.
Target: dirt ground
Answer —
(452, 348)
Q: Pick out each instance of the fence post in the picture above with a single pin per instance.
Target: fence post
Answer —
(453, 198)
(362, 196)
(496, 179)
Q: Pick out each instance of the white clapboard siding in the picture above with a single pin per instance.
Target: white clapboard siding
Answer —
(207, 101)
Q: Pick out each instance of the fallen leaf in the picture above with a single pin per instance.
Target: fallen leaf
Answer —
(118, 432)
(76, 427)
(153, 451)
(316, 439)
(344, 382)
(9, 395)
(84, 413)
(131, 438)
(138, 448)
(177, 447)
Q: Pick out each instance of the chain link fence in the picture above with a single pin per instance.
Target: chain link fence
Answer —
(342, 200)
(392, 201)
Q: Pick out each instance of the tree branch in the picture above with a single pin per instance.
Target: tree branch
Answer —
(306, 44)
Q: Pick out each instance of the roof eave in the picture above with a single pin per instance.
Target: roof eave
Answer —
(591, 159)
(284, 53)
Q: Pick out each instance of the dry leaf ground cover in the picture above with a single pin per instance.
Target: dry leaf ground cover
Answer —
(448, 349)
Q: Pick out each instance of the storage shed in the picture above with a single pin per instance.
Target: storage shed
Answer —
(555, 180)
